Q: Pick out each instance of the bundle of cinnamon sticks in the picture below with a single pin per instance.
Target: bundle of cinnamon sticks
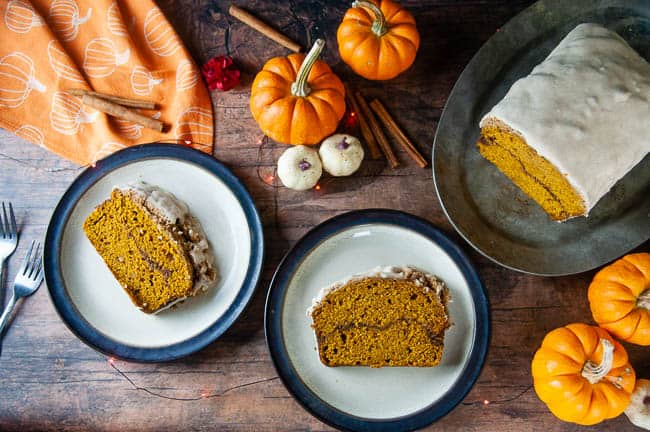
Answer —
(119, 107)
(370, 116)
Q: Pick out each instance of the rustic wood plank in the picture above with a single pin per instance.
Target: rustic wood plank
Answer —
(51, 380)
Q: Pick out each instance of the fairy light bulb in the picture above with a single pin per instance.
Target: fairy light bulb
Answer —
(351, 119)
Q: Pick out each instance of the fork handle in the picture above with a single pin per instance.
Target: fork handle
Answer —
(7, 313)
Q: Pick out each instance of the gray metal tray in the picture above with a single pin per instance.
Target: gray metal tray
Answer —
(484, 206)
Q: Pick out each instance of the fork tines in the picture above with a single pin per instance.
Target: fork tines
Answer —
(32, 262)
(8, 228)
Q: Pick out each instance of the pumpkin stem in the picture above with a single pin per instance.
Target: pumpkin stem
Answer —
(35, 84)
(595, 372)
(300, 86)
(643, 301)
(379, 26)
(80, 20)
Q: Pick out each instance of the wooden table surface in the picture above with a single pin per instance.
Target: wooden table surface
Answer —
(51, 380)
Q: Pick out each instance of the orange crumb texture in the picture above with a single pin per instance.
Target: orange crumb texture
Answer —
(147, 261)
(381, 322)
(535, 176)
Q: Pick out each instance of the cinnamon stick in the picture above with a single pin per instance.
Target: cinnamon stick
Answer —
(394, 130)
(119, 111)
(377, 132)
(127, 102)
(368, 137)
(262, 27)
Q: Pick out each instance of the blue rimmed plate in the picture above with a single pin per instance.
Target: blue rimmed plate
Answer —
(361, 398)
(89, 299)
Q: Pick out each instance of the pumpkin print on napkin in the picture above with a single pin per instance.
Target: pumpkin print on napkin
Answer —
(17, 79)
(20, 17)
(119, 47)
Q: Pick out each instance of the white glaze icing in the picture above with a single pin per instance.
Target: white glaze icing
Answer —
(341, 159)
(174, 212)
(585, 108)
(425, 280)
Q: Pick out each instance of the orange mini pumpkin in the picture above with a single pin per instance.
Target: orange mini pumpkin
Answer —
(378, 41)
(619, 297)
(298, 99)
(582, 374)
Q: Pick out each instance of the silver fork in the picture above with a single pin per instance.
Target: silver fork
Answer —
(27, 281)
(8, 239)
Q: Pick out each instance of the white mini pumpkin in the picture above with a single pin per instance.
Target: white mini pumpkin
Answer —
(299, 167)
(639, 409)
(341, 155)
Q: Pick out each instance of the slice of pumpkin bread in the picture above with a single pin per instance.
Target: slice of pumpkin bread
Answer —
(153, 246)
(389, 316)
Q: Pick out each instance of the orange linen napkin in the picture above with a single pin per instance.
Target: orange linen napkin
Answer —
(123, 48)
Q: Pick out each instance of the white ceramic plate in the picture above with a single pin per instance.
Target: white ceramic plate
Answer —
(89, 298)
(390, 397)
